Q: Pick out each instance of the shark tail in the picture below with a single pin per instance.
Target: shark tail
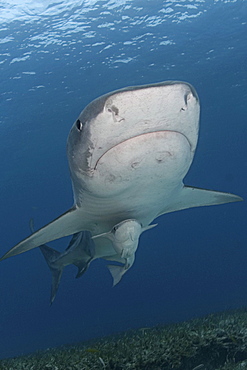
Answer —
(50, 255)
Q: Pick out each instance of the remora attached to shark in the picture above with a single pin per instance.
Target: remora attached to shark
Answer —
(128, 153)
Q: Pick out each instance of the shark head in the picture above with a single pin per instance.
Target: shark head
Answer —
(125, 120)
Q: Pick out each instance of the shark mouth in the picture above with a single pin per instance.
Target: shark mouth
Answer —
(137, 145)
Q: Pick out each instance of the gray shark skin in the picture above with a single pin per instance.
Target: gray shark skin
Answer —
(128, 153)
(80, 252)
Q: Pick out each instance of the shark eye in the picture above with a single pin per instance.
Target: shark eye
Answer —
(79, 125)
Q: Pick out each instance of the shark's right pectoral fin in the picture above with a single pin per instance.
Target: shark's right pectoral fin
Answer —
(68, 223)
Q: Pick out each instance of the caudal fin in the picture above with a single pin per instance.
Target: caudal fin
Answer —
(50, 256)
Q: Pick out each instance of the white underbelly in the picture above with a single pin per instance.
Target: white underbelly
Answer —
(135, 179)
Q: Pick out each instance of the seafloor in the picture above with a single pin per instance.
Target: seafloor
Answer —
(215, 342)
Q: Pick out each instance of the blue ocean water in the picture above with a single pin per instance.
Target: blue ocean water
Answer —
(56, 56)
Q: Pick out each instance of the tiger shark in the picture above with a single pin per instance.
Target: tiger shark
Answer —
(128, 153)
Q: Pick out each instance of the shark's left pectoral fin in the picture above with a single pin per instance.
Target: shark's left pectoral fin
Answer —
(68, 223)
(190, 197)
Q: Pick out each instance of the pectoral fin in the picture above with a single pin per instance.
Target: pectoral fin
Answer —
(190, 197)
(68, 223)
